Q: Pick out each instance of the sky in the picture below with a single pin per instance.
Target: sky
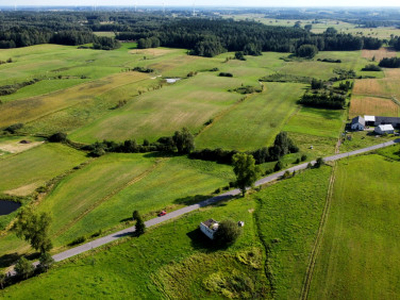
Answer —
(219, 3)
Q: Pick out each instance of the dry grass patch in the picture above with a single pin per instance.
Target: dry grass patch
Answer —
(378, 54)
(16, 146)
(373, 106)
(23, 190)
(152, 51)
(393, 74)
(371, 87)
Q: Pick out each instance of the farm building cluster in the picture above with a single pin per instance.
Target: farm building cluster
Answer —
(383, 125)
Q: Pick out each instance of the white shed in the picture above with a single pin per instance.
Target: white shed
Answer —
(209, 227)
(369, 120)
(382, 129)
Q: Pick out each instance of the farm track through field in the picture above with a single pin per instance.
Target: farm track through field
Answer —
(108, 197)
(315, 251)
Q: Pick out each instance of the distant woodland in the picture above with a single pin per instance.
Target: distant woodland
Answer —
(207, 36)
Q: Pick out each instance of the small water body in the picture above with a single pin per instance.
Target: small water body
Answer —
(172, 80)
(7, 207)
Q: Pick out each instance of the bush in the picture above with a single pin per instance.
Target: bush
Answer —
(303, 157)
(77, 241)
(371, 67)
(227, 233)
(13, 128)
(279, 166)
(224, 74)
(58, 137)
(24, 268)
(46, 261)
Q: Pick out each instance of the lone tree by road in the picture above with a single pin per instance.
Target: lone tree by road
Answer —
(34, 228)
(245, 170)
(140, 227)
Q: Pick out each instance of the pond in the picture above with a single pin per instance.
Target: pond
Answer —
(7, 207)
(172, 80)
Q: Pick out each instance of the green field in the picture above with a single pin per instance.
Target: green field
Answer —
(159, 263)
(28, 170)
(360, 247)
(289, 217)
(176, 254)
(255, 122)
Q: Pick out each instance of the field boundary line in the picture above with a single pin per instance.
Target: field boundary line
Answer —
(107, 197)
(317, 245)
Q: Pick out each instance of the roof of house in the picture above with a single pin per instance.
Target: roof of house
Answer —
(387, 120)
(386, 127)
(209, 222)
(369, 118)
(358, 119)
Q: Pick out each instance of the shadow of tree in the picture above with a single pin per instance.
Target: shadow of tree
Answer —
(189, 200)
(200, 241)
(8, 259)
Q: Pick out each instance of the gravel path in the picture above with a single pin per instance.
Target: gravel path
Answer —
(112, 237)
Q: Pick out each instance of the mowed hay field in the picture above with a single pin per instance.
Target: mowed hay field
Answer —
(189, 103)
(373, 106)
(254, 122)
(378, 55)
(21, 111)
(23, 172)
(360, 247)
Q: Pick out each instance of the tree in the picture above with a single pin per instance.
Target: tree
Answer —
(245, 170)
(24, 268)
(227, 233)
(184, 141)
(140, 227)
(308, 51)
(319, 162)
(34, 229)
(46, 261)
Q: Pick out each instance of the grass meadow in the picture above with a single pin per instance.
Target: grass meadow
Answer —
(176, 254)
(159, 263)
(254, 122)
(23, 172)
(360, 244)
(289, 215)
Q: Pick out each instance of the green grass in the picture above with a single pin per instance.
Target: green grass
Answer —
(34, 167)
(188, 103)
(321, 146)
(254, 122)
(173, 183)
(360, 248)
(318, 122)
(289, 216)
(158, 264)
(362, 139)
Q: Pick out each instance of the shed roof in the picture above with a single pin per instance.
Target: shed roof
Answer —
(387, 127)
(209, 222)
(369, 118)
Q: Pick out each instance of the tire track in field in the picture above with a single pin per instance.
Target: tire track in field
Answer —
(107, 197)
(315, 251)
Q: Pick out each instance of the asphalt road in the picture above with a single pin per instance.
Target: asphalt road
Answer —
(112, 237)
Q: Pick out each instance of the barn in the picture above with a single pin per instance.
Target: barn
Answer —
(382, 129)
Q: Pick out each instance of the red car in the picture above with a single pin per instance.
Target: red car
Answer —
(162, 213)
